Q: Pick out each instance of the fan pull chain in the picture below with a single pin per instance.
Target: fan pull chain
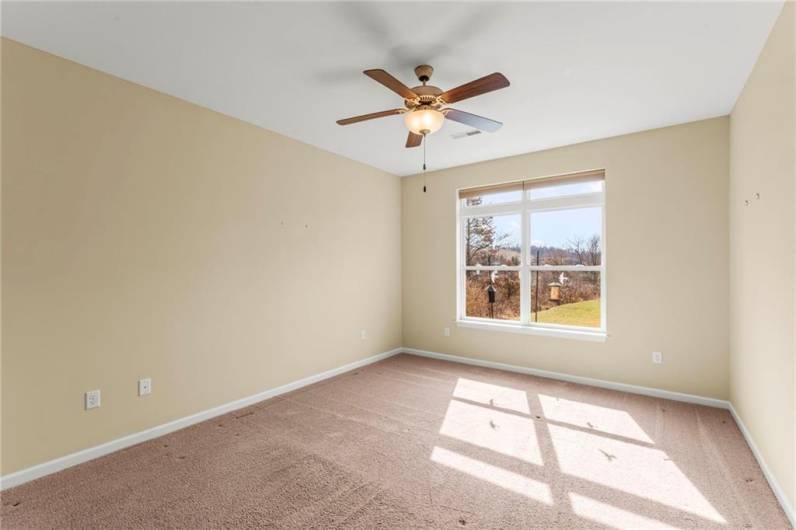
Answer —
(424, 163)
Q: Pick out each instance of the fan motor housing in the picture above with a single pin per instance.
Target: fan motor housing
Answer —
(427, 95)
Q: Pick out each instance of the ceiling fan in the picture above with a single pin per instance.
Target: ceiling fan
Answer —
(426, 106)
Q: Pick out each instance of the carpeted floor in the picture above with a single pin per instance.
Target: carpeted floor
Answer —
(411, 442)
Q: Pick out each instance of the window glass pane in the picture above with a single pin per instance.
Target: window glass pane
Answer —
(563, 190)
(566, 298)
(567, 237)
(496, 197)
(506, 304)
(493, 240)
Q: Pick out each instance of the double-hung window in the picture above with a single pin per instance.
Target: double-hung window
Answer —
(531, 255)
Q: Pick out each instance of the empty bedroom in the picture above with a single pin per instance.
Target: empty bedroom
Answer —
(497, 265)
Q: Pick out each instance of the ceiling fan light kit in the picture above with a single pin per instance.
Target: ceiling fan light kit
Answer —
(424, 121)
(426, 106)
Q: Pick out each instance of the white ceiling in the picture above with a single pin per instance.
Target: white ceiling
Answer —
(578, 71)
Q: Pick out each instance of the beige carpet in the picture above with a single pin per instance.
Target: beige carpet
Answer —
(418, 443)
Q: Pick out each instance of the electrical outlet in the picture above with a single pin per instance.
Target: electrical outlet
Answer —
(363, 334)
(447, 332)
(92, 399)
(657, 357)
(144, 386)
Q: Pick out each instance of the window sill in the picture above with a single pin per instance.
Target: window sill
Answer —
(576, 334)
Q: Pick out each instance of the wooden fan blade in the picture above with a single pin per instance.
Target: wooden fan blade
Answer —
(414, 140)
(486, 84)
(390, 82)
(371, 116)
(473, 120)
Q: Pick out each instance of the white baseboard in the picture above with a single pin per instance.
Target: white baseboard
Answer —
(624, 387)
(52, 466)
(772, 481)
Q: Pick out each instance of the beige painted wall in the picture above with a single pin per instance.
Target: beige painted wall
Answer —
(145, 236)
(667, 272)
(762, 246)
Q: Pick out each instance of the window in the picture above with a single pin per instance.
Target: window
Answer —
(531, 255)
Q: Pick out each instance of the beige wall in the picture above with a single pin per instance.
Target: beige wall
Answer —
(667, 273)
(762, 247)
(145, 236)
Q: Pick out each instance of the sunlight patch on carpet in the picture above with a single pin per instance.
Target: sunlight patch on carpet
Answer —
(503, 432)
(612, 516)
(635, 469)
(604, 419)
(533, 489)
(494, 395)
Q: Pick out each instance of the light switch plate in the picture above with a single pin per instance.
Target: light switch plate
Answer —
(144, 386)
(92, 399)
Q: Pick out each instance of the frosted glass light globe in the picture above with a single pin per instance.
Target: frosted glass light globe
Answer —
(424, 121)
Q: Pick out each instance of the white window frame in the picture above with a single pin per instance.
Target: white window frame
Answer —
(525, 208)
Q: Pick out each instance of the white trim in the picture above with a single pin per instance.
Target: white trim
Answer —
(603, 257)
(491, 210)
(461, 275)
(772, 481)
(566, 268)
(525, 274)
(490, 268)
(601, 383)
(534, 329)
(567, 202)
(52, 466)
